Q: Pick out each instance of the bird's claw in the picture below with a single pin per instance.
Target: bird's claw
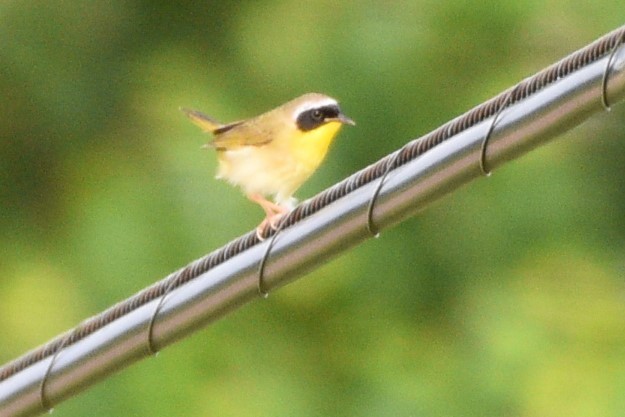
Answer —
(274, 223)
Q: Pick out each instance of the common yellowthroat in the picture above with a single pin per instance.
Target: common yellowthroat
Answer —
(273, 154)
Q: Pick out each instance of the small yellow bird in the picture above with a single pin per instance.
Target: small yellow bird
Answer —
(273, 154)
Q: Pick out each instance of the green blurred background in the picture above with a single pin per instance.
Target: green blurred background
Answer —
(505, 299)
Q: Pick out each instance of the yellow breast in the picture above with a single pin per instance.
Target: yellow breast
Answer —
(280, 167)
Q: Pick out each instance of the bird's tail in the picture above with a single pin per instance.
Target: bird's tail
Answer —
(206, 123)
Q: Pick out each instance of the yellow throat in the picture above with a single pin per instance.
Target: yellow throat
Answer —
(310, 148)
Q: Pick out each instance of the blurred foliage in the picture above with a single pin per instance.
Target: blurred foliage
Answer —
(505, 299)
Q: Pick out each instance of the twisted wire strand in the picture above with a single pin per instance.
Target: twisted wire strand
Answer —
(484, 168)
(372, 228)
(262, 290)
(583, 57)
(606, 74)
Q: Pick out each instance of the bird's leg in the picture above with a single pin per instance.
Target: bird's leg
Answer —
(272, 211)
(269, 207)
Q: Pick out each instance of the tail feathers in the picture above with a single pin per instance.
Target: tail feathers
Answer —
(206, 123)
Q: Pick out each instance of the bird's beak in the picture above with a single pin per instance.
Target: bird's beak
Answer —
(345, 120)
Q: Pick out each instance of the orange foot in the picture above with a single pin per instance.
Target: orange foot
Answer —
(273, 212)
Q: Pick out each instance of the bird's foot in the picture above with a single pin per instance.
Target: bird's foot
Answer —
(273, 221)
(274, 212)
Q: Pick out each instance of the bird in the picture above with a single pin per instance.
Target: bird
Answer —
(273, 154)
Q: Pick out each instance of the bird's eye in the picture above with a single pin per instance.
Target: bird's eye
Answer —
(313, 118)
(317, 115)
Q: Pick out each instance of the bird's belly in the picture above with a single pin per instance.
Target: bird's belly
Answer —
(262, 170)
